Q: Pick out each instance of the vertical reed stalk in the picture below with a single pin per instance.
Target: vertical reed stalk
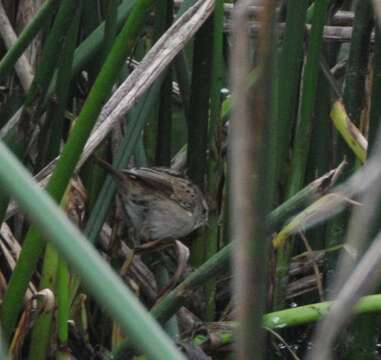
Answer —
(249, 170)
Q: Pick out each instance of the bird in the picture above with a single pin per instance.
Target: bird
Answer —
(161, 203)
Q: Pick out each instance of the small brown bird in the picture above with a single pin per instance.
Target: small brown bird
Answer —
(160, 203)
